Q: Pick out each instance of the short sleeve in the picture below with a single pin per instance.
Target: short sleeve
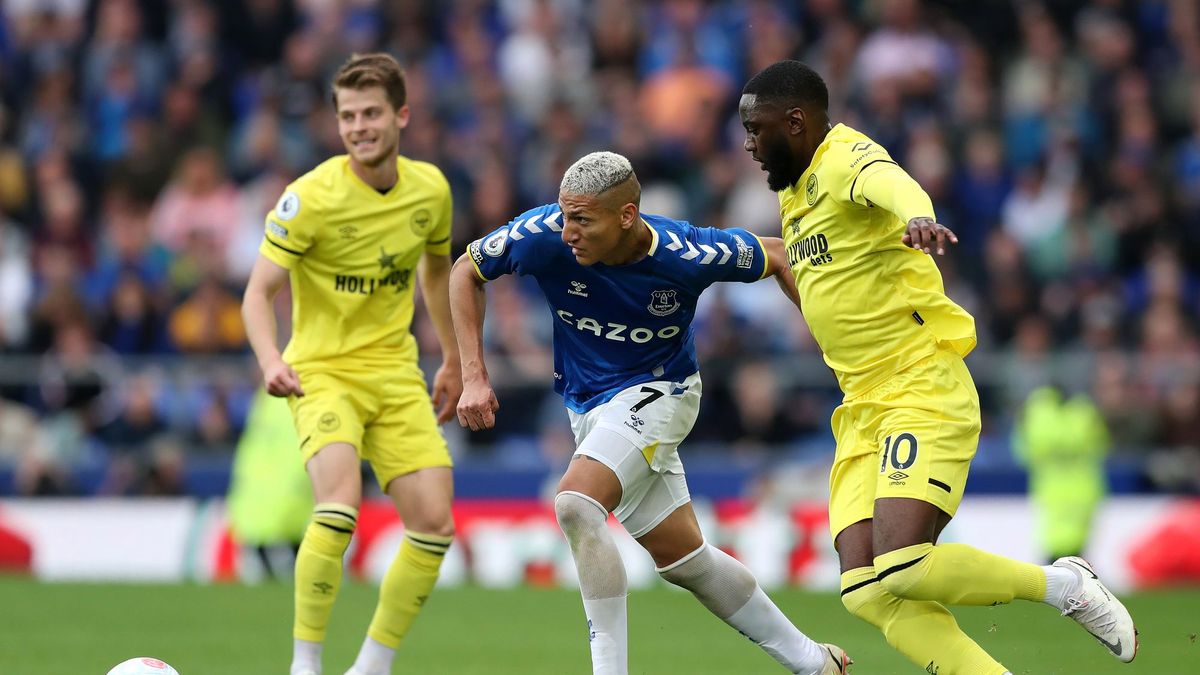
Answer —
(522, 247)
(737, 254)
(850, 163)
(438, 242)
(289, 229)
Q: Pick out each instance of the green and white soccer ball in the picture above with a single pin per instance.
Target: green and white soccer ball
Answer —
(143, 665)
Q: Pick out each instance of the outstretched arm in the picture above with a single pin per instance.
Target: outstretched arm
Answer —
(778, 267)
(889, 187)
(433, 273)
(478, 404)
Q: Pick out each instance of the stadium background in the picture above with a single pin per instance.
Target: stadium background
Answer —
(142, 142)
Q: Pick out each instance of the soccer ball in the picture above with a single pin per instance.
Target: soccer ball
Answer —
(143, 665)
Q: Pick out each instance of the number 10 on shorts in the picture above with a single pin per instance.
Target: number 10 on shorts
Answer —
(901, 449)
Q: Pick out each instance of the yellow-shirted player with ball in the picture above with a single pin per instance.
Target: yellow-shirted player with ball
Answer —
(354, 236)
(857, 229)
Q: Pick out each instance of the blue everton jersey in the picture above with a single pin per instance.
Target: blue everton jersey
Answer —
(617, 326)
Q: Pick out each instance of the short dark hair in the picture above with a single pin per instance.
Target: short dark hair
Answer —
(377, 69)
(790, 83)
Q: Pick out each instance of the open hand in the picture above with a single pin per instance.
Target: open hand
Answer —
(925, 234)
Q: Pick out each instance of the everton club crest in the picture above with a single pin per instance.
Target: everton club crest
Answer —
(662, 303)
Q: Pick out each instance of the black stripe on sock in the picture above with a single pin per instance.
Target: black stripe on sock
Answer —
(335, 528)
(902, 566)
(855, 587)
(334, 512)
(938, 483)
(427, 542)
(439, 554)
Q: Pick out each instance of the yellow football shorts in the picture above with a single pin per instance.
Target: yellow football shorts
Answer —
(912, 436)
(386, 414)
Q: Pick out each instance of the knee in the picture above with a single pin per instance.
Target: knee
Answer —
(576, 512)
(856, 602)
(438, 522)
(897, 584)
(442, 527)
(860, 598)
(863, 596)
(707, 565)
(901, 571)
(871, 603)
(685, 569)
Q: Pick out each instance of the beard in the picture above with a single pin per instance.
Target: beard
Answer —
(777, 162)
(777, 181)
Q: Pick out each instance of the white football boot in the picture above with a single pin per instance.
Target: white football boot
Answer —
(837, 662)
(1099, 611)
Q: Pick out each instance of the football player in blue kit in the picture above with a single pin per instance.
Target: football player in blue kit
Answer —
(622, 286)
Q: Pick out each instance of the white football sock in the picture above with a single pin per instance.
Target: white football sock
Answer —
(601, 579)
(729, 590)
(306, 657)
(1060, 581)
(607, 631)
(374, 658)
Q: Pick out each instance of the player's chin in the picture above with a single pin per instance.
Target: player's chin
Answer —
(775, 181)
(584, 260)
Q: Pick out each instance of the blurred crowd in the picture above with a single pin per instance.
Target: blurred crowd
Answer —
(143, 141)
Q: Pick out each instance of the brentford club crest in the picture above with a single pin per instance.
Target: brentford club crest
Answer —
(662, 303)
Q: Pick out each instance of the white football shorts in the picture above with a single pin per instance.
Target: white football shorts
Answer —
(652, 419)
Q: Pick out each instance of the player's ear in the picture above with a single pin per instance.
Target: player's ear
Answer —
(629, 214)
(796, 121)
(402, 117)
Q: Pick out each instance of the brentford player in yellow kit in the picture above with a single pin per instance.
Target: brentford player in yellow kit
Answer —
(354, 236)
(857, 229)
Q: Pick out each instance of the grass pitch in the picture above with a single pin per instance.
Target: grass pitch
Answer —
(82, 629)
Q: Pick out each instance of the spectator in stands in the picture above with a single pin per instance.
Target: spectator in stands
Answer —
(208, 322)
(1060, 140)
(128, 438)
(200, 200)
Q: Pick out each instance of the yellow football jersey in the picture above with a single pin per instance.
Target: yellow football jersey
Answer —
(873, 304)
(352, 253)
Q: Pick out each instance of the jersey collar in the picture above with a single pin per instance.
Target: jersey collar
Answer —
(363, 187)
(653, 238)
(820, 152)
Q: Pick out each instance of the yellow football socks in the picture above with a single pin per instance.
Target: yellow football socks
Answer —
(956, 574)
(319, 568)
(407, 583)
(924, 632)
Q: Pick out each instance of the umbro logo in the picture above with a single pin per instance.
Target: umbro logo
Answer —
(897, 475)
(578, 288)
